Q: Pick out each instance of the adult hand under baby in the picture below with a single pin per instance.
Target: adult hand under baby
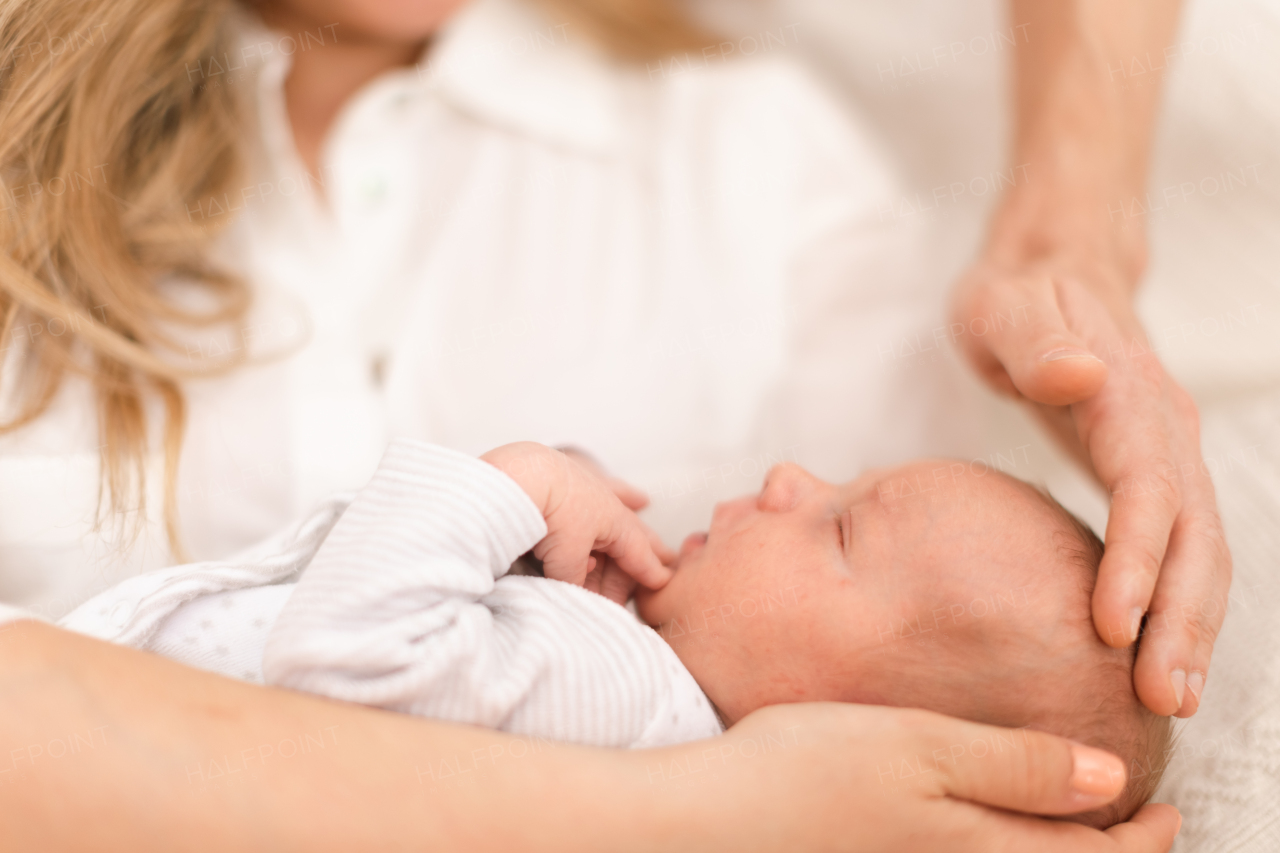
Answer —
(594, 537)
(910, 780)
(1063, 337)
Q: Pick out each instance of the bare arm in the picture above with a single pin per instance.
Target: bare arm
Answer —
(1052, 297)
(156, 744)
(1085, 127)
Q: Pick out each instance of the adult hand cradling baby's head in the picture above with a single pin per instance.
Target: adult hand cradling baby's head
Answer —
(933, 585)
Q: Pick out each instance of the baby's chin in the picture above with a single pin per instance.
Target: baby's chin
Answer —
(649, 603)
(656, 606)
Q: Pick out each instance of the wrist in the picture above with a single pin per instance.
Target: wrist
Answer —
(535, 468)
(1078, 224)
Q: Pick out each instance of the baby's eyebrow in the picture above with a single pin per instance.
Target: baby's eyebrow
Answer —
(849, 497)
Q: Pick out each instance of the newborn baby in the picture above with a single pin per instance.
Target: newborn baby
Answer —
(923, 586)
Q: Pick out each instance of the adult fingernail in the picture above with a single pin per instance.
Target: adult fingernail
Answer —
(1135, 622)
(1178, 678)
(1096, 776)
(1179, 829)
(1195, 681)
(1067, 352)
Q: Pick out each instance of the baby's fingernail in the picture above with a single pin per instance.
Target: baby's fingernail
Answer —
(1067, 352)
(1195, 681)
(1178, 678)
(1135, 622)
(1096, 776)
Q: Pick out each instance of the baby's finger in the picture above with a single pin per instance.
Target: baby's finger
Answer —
(591, 582)
(565, 556)
(615, 584)
(627, 542)
(632, 498)
(665, 554)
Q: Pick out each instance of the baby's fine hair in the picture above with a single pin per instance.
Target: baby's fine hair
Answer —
(1109, 714)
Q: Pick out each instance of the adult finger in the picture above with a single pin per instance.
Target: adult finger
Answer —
(1017, 319)
(1022, 770)
(1164, 550)
(1145, 503)
(1189, 605)
(1129, 429)
(1151, 830)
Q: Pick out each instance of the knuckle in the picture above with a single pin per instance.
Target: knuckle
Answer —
(1159, 483)
(1155, 481)
(1201, 624)
(920, 725)
(1038, 768)
(1142, 556)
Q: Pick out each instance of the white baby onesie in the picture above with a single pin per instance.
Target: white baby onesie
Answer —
(405, 602)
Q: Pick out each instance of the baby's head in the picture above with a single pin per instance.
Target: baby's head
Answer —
(936, 585)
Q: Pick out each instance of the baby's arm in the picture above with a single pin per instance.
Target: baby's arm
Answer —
(406, 607)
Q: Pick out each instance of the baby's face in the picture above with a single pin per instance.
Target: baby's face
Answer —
(936, 584)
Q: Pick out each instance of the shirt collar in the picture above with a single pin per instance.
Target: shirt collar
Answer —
(504, 62)
(499, 61)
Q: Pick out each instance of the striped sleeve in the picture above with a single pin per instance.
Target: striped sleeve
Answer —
(407, 606)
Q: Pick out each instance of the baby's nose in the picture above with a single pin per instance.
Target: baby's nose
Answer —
(784, 487)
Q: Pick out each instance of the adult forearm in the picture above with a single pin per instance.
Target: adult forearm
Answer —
(106, 748)
(1083, 128)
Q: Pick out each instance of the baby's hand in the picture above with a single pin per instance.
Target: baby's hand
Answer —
(583, 514)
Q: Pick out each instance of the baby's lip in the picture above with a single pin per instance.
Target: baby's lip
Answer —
(692, 542)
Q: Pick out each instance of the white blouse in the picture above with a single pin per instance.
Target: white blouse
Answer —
(689, 275)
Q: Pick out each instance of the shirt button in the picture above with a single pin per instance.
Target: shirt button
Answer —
(378, 370)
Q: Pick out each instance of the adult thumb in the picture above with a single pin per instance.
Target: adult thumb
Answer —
(1028, 334)
(1029, 771)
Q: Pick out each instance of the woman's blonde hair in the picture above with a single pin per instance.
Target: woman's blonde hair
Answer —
(106, 145)
(102, 140)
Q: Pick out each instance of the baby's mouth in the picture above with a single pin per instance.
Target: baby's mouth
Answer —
(692, 543)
